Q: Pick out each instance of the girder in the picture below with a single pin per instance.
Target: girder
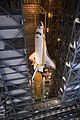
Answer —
(57, 112)
(71, 77)
(15, 92)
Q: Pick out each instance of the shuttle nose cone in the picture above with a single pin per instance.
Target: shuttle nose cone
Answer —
(41, 25)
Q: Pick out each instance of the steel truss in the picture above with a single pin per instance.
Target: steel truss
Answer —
(15, 92)
(57, 113)
(71, 78)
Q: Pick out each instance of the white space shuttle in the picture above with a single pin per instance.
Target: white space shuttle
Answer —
(40, 57)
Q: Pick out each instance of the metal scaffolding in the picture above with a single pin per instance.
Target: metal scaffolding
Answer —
(57, 113)
(15, 92)
(71, 79)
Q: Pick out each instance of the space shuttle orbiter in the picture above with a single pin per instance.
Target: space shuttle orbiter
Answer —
(40, 57)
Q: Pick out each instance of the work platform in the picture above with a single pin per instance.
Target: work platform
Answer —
(15, 92)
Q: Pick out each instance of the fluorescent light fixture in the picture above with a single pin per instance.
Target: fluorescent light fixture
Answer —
(51, 107)
(74, 45)
(68, 64)
(77, 20)
(47, 29)
(77, 87)
(64, 78)
(71, 45)
(64, 87)
(61, 89)
(58, 39)
(36, 111)
(50, 73)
